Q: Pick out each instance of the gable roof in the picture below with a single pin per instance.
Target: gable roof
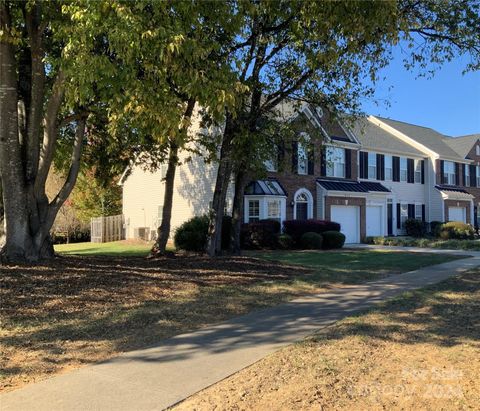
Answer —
(428, 137)
(371, 136)
(463, 144)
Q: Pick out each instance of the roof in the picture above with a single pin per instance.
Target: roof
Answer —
(353, 186)
(265, 188)
(374, 137)
(462, 145)
(430, 138)
(454, 193)
(451, 188)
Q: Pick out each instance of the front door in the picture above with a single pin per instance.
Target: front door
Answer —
(302, 211)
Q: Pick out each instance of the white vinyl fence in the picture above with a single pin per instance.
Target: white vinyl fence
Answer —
(105, 229)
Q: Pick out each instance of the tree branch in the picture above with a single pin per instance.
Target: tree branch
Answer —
(50, 131)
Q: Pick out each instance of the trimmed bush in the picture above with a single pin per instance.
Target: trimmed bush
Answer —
(415, 228)
(285, 241)
(260, 234)
(296, 228)
(333, 239)
(311, 241)
(455, 230)
(435, 228)
(192, 234)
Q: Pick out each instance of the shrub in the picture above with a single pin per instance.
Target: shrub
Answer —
(192, 234)
(415, 228)
(311, 241)
(456, 230)
(285, 241)
(333, 239)
(296, 228)
(435, 228)
(260, 234)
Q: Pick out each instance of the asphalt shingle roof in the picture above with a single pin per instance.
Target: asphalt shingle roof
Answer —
(430, 138)
(462, 145)
(371, 136)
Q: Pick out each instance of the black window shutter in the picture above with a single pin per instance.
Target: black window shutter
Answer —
(457, 174)
(422, 167)
(281, 155)
(380, 167)
(311, 159)
(348, 163)
(396, 168)
(411, 211)
(423, 212)
(410, 170)
(362, 164)
(399, 223)
(442, 172)
(473, 175)
(323, 162)
(464, 177)
(295, 157)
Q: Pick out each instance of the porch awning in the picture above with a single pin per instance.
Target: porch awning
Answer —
(353, 186)
(265, 188)
(454, 193)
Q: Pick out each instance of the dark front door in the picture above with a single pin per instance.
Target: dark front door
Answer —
(302, 211)
(390, 218)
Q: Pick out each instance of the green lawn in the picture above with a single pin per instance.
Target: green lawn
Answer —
(115, 248)
(354, 266)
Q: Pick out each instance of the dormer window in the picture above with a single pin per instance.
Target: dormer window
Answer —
(335, 158)
(449, 173)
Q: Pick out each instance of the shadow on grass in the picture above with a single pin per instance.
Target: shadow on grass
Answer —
(131, 303)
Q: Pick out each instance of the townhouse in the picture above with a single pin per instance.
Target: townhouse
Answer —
(370, 176)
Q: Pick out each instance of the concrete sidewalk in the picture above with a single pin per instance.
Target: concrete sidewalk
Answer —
(160, 376)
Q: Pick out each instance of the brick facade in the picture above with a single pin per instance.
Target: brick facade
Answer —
(457, 203)
(351, 201)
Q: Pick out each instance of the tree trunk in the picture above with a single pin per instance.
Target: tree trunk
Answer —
(214, 243)
(241, 181)
(163, 232)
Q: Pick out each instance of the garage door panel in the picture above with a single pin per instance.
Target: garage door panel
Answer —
(349, 219)
(457, 214)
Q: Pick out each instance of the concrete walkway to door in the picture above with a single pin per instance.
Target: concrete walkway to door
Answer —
(160, 376)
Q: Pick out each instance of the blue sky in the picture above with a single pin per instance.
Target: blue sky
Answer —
(449, 102)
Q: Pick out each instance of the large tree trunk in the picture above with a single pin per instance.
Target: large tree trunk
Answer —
(214, 243)
(163, 232)
(241, 180)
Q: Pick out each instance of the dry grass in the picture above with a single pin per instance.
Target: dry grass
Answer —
(80, 310)
(420, 351)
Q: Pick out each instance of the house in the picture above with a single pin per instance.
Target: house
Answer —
(370, 176)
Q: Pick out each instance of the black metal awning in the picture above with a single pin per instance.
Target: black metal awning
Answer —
(265, 188)
(353, 186)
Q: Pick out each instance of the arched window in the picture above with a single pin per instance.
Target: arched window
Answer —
(303, 205)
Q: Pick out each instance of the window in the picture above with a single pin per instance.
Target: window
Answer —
(403, 169)
(372, 166)
(271, 165)
(388, 168)
(273, 209)
(403, 214)
(302, 160)
(466, 183)
(477, 176)
(477, 150)
(449, 173)
(418, 171)
(418, 212)
(253, 210)
(335, 158)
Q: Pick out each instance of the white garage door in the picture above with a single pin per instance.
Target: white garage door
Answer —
(457, 214)
(374, 221)
(349, 219)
